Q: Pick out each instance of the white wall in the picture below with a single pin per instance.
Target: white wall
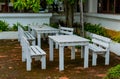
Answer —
(109, 21)
(25, 18)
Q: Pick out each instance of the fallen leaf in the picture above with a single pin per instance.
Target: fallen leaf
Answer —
(10, 67)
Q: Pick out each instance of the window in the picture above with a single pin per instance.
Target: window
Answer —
(108, 6)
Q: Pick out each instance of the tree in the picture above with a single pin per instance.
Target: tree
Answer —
(33, 5)
(69, 11)
(81, 17)
(20, 5)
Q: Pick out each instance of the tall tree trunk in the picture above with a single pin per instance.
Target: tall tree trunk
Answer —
(68, 13)
(81, 17)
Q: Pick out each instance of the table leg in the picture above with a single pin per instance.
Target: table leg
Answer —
(61, 58)
(82, 51)
(73, 52)
(86, 56)
(51, 49)
(56, 44)
(39, 40)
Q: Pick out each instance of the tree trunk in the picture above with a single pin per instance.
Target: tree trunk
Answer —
(81, 17)
(68, 13)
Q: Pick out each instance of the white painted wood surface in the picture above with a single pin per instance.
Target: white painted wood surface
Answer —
(68, 40)
(33, 52)
(29, 36)
(100, 46)
(66, 30)
(42, 29)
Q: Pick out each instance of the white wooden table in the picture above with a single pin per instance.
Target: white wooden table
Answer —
(42, 29)
(68, 40)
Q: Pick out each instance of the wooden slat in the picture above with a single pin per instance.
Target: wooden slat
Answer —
(42, 52)
(37, 50)
(107, 40)
(66, 30)
(101, 43)
(96, 48)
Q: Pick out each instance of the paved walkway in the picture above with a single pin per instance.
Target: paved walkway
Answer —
(8, 35)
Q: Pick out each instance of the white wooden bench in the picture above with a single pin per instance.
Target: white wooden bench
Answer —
(28, 35)
(33, 52)
(66, 30)
(100, 45)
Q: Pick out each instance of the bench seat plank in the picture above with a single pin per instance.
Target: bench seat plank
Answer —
(36, 51)
(96, 48)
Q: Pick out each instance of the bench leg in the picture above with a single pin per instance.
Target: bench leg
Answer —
(73, 52)
(94, 58)
(23, 56)
(43, 60)
(82, 51)
(28, 64)
(107, 57)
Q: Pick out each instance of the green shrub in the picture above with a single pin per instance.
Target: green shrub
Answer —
(15, 27)
(4, 26)
(117, 38)
(55, 25)
(95, 28)
(113, 73)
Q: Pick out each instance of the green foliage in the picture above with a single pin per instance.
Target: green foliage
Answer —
(15, 26)
(49, 1)
(4, 26)
(113, 73)
(24, 27)
(20, 5)
(95, 28)
(33, 5)
(72, 1)
(117, 38)
(55, 25)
